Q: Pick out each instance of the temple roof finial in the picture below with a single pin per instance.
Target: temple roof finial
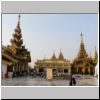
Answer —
(19, 19)
(81, 37)
(61, 55)
(90, 55)
(54, 56)
(96, 51)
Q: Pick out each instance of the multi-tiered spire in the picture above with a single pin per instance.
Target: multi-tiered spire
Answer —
(82, 52)
(17, 41)
(54, 56)
(83, 63)
(61, 57)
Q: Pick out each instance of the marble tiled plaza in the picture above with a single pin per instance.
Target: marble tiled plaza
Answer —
(29, 81)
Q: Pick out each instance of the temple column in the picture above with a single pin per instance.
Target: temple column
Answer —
(16, 68)
(37, 70)
(19, 68)
(23, 67)
(89, 70)
(49, 74)
(57, 72)
(69, 70)
(63, 71)
(13, 68)
(83, 70)
(77, 69)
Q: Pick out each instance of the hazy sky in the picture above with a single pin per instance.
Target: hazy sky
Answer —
(45, 33)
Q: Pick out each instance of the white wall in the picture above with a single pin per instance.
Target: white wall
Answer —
(4, 70)
(96, 70)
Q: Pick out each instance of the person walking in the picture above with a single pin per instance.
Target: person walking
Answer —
(73, 80)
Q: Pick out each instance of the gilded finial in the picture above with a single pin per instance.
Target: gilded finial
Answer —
(81, 37)
(19, 19)
(81, 34)
(90, 55)
(95, 48)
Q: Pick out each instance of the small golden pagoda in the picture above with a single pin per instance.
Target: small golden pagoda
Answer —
(83, 64)
(59, 66)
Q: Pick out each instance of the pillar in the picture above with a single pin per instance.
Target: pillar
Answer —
(13, 68)
(83, 70)
(69, 70)
(77, 69)
(89, 70)
(57, 72)
(63, 71)
(49, 74)
(19, 68)
(22, 67)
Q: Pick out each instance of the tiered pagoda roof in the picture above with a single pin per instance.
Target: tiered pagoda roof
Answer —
(17, 50)
(53, 58)
(82, 58)
(61, 57)
(82, 52)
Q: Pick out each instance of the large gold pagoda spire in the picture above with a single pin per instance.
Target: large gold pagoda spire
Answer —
(17, 40)
(82, 52)
(19, 55)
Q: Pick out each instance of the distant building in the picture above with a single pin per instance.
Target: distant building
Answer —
(15, 57)
(84, 64)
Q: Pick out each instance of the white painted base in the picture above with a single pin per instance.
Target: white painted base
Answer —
(3, 70)
(49, 74)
